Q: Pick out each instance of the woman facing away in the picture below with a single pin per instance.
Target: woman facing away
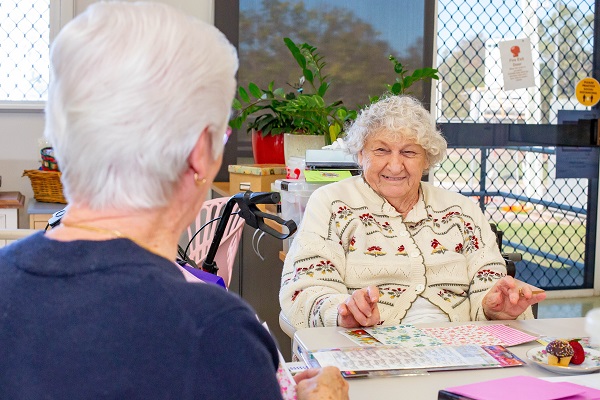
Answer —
(138, 104)
(386, 248)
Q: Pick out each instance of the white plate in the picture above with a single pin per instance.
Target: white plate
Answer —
(591, 363)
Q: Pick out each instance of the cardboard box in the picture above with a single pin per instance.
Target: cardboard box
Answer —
(254, 177)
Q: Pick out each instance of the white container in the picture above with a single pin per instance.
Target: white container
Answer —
(294, 197)
(592, 326)
(295, 168)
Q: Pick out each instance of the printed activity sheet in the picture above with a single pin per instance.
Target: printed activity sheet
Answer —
(410, 336)
(353, 361)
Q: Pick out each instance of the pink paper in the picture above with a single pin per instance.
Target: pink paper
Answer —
(520, 388)
(509, 336)
(463, 334)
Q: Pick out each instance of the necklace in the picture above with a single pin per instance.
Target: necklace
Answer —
(113, 232)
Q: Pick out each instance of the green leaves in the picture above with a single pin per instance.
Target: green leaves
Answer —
(295, 52)
(405, 81)
(243, 95)
(256, 92)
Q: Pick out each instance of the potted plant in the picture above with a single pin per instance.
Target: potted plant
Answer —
(302, 111)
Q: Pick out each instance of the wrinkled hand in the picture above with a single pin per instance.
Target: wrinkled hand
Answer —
(509, 298)
(321, 383)
(360, 309)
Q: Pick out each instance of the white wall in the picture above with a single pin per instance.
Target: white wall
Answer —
(20, 131)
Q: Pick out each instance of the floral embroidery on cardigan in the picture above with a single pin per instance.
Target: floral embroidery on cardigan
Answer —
(401, 251)
(387, 227)
(296, 293)
(437, 247)
(368, 220)
(315, 314)
(392, 292)
(323, 266)
(375, 251)
(448, 215)
(446, 295)
(459, 248)
(487, 275)
(351, 244)
(344, 212)
(449, 295)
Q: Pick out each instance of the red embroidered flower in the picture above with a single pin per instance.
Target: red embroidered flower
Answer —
(325, 266)
(487, 275)
(458, 248)
(374, 251)
(437, 247)
(344, 212)
(449, 215)
(367, 219)
(475, 241)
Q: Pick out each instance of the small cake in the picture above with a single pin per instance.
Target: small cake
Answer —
(559, 353)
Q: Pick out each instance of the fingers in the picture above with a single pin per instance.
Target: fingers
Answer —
(509, 298)
(361, 308)
(345, 318)
(326, 383)
(306, 374)
(373, 293)
(531, 293)
(507, 287)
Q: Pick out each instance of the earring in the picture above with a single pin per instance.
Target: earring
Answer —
(199, 181)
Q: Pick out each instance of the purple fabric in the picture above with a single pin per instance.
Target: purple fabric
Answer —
(205, 276)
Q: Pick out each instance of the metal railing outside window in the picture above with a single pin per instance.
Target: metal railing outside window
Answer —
(548, 220)
(542, 217)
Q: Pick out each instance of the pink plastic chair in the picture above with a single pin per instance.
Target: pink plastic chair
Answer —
(229, 244)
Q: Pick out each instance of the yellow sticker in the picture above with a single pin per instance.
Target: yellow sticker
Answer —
(588, 91)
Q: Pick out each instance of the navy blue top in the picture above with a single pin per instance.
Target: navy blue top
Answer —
(110, 320)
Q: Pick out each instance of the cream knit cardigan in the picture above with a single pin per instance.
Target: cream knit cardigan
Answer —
(351, 238)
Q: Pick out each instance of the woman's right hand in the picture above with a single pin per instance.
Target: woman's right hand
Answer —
(360, 309)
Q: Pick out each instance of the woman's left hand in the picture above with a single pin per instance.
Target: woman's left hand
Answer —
(509, 298)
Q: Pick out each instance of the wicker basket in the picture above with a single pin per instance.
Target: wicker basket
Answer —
(46, 186)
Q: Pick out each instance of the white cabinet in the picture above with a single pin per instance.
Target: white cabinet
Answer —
(10, 203)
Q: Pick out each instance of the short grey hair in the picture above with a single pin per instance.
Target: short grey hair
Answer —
(132, 87)
(402, 116)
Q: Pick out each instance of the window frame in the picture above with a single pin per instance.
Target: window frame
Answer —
(61, 12)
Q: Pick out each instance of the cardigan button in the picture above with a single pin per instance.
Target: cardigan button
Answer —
(419, 288)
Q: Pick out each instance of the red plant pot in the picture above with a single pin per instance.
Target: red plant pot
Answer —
(267, 149)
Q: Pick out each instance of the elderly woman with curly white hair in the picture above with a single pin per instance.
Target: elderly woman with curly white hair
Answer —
(387, 248)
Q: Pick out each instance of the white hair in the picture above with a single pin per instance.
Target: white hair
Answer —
(400, 117)
(132, 87)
